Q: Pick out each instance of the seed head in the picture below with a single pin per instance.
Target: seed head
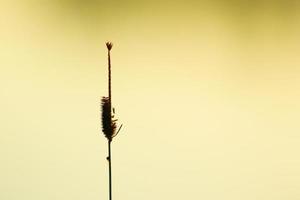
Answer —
(108, 123)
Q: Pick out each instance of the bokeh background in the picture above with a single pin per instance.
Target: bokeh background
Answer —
(208, 92)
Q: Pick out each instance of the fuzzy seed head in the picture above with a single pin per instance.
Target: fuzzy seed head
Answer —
(108, 123)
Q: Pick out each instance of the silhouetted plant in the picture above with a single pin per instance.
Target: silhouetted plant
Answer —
(109, 124)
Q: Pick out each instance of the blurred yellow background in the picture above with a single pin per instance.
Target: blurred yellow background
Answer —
(208, 92)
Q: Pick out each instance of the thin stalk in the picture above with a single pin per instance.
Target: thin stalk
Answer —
(109, 163)
(109, 78)
(109, 133)
(109, 98)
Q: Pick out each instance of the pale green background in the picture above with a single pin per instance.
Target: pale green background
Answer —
(208, 92)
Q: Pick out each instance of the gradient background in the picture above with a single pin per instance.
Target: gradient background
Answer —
(208, 92)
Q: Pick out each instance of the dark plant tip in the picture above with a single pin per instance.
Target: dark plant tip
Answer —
(109, 45)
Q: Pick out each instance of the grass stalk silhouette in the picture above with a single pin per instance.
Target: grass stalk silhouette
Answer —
(109, 125)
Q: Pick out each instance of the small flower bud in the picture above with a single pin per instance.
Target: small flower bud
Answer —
(109, 45)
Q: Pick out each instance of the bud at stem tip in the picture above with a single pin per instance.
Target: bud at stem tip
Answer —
(109, 45)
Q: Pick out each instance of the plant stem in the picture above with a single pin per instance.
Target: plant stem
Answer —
(109, 163)
(110, 139)
(109, 77)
